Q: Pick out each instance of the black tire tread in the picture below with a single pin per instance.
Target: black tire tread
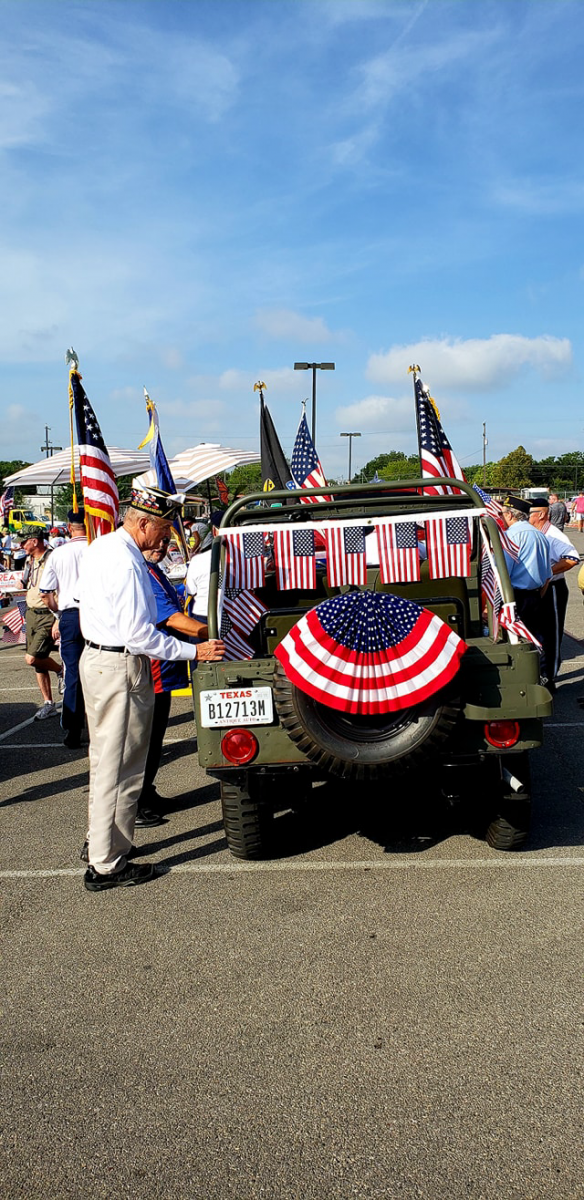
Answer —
(349, 769)
(247, 822)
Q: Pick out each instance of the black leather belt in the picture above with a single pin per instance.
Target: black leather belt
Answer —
(113, 649)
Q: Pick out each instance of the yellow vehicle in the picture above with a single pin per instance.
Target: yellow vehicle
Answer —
(23, 517)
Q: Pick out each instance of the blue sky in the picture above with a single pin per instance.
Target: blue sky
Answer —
(197, 194)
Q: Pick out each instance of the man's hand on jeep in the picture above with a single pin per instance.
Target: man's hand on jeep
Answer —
(211, 651)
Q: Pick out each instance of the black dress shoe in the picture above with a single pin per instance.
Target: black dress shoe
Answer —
(147, 817)
(132, 874)
(84, 856)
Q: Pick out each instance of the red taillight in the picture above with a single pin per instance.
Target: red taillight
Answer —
(502, 734)
(239, 746)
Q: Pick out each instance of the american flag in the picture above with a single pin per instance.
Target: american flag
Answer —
(509, 620)
(490, 587)
(15, 617)
(399, 560)
(370, 652)
(294, 558)
(6, 503)
(346, 560)
(244, 560)
(448, 542)
(495, 510)
(236, 645)
(243, 608)
(305, 464)
(98, 482)
(436, 454)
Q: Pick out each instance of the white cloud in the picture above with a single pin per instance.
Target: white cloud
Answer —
(476, 363)
(541, 197)
(378, 412)
(172, 358)
(282, 323)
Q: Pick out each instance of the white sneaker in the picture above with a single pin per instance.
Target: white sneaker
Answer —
(48, 710)
(61, 682)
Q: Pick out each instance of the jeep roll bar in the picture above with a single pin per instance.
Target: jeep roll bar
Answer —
(371, 496)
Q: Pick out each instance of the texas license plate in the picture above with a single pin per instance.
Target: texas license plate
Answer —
(238, 706)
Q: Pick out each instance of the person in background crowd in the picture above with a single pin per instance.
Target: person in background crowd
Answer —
(531, 572)
(118, 620)
(579, 510)
(564, 557)
(557, 511)
(167, 676)
(199, 571)
(41, 627)
(56, 538)
(6, 545)
(58, 592)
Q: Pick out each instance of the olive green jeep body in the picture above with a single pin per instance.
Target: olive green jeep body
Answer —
(269, 747)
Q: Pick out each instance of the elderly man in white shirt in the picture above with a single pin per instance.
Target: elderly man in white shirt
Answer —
(564, 557)
(118, 622)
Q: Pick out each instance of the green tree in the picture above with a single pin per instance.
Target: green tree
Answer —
(475, 473)
(246, 479)
(10, 468)
(515, 470)
(63, 496)
(394, 464)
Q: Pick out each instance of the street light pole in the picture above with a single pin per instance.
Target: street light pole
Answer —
(314, 367)
(350, 437)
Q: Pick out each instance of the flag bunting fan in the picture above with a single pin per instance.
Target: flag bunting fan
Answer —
(370, 653)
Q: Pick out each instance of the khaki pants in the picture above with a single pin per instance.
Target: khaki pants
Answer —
(119, 702)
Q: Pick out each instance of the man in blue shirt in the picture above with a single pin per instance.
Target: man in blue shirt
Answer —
(531, 571)
(167, 677)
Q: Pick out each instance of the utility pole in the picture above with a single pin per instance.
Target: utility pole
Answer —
(48, 449)
(485, 444)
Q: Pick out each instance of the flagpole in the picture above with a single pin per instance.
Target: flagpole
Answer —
(413, 370)
(71, 357)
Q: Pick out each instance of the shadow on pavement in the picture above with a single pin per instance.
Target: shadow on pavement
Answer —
(42, 791)
(194, 799)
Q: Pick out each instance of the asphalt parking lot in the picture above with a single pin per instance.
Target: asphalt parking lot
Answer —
(388, 1009)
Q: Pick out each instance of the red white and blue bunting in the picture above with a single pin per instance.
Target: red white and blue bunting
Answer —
(394, 544)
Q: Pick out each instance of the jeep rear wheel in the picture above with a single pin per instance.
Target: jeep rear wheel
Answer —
(247, 821)
(367, 747)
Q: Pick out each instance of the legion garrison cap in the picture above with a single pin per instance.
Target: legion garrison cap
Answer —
(543, 502)
(516, 502)
(157, 503)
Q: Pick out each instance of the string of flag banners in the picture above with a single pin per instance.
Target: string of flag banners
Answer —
(296, 550)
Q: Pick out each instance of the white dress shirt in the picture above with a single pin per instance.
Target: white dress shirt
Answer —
(61, 573)
(116, 601)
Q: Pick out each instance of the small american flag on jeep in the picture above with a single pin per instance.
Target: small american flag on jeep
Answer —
(448, 542)
(294, 558)
(244, 560)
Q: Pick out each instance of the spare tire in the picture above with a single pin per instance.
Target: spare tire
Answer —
(364, 747)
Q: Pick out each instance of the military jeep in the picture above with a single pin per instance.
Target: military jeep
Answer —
(268, 742)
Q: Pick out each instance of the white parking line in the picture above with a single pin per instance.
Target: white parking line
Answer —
(511, 862)
(23, 724)
(59, 745)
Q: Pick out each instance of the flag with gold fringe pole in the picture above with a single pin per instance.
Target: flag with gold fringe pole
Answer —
(160, 465)
(98, 481)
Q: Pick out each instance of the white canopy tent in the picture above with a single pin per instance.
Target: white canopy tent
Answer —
(193, 466)
(56, 471)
